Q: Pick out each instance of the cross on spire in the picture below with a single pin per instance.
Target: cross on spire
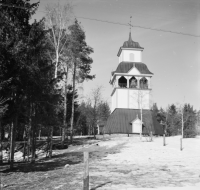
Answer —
(130, 23)
(130, 39)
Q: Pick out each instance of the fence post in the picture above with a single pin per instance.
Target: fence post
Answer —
(86, 171)
(1, 146)
(51, 142)
(163, 139)
(151, 136)
(181, 144)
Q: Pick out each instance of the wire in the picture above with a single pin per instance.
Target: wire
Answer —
(110, 22)
(138, 26)
(117, 23)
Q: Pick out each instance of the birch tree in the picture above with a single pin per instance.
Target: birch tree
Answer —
(96, 99)
(58, 19)
(187, 117)
(141, 103)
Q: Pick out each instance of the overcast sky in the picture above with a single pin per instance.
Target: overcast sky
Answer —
(173, 58)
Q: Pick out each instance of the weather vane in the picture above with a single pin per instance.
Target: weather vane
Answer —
(130, 23)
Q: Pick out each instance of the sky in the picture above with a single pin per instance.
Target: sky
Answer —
(173, 58)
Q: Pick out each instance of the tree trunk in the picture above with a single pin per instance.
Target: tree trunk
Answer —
(1, 151)
(140, 103)
(39, 135)
(94, 129)
(28, 144)
(88, 130)
(29, 132)
(56, 65)
(9, 137)
(51, 142)
(33, 144)
(72, 116)
(65, 109)
(12, 141)
(11, 145)
(141, 125)
(182, 123)
(24, 148)
(95, 119)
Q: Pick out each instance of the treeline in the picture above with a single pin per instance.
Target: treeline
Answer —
(40, 65)
(179, 119)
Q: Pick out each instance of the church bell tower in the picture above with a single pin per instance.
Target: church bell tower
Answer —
(131, 81)
(131, 94)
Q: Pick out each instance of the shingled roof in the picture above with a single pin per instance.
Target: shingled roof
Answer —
(124, 67)
(120, 119)
(131, 44)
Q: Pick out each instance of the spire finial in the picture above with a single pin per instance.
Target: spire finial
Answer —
(130, 39)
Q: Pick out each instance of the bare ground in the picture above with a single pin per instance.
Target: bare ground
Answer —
(118, 162)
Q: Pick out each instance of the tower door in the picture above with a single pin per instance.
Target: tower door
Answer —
(136, 125)
(136, 128)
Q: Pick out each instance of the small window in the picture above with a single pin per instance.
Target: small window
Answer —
(131, 56)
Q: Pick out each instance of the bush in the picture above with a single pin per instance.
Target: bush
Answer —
(190, 133)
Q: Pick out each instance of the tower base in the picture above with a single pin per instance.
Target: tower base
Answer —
(126, 121)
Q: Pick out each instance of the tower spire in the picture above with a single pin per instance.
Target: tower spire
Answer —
(130, 39)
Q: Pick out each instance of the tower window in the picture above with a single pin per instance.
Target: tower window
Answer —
(143, 83)
(131, 56)
(122, 82)
(133, 82)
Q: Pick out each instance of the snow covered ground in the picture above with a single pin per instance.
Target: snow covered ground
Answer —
(150, 165)
(117, 162)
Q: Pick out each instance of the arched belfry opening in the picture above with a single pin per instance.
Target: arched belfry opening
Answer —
(122, 82)
(133, 82)
(143, 83)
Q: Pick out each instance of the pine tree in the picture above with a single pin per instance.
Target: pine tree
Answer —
(14, 32)
(81, 61)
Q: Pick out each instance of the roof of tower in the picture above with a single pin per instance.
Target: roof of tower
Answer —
(124, 67)
(119, 121)
(131, 44)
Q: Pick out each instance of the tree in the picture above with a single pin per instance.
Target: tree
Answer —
(79, 51)
(104, 111)
(92, 111)
(38, 85)
(82, 119)
(3, 109)
(172, 121)
(58, 19)
(198, 122)
(14, 32)
(187, 117)
(96, 99)
(141, 103)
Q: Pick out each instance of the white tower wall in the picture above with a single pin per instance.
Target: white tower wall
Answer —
(131, 98)
(130, 56)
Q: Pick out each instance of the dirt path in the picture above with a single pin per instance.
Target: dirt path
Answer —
(118, 163)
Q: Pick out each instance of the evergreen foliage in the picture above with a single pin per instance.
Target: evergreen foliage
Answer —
(173, 118)
(31, 99)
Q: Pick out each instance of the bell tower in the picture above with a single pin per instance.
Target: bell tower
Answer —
(131, 94)
(131, 81)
